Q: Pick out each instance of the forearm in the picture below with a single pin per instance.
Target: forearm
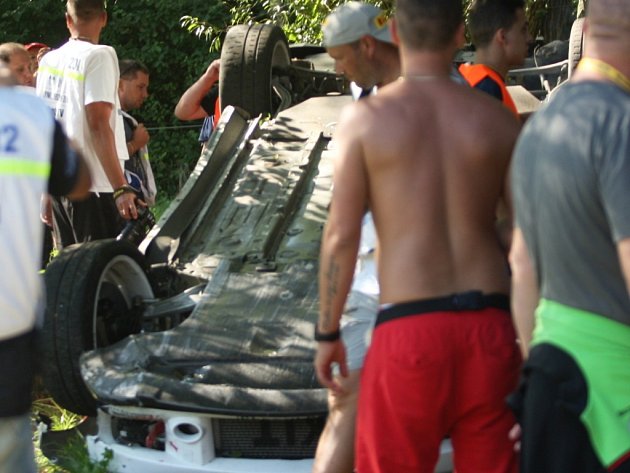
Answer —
(98, 116)
(525, 293)
(189, 105)
(337, 263)
(105, 147)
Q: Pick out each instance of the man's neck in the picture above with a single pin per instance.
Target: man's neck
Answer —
(610, 54)
(87, 33)
(493, 59)
(425, 63)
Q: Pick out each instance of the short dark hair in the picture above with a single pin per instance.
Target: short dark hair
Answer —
(428, 24)
(486, 17)
(85, 9)
(130, 67)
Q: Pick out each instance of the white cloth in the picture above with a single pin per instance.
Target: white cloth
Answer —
(26, 143)
(149, 189)
(365, 278)
(75, 75)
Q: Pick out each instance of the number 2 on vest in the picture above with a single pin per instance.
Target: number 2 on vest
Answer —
(8, 138)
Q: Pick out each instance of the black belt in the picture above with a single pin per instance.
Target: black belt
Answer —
(462, 301)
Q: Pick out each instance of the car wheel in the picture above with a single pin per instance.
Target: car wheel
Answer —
(253, 58)
(94, 299)
(576, 43)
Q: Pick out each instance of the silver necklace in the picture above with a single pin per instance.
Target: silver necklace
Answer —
(423, 77)
(81, 38)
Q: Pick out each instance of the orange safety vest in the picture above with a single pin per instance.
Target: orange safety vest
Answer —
(217, 110)
(475, 73)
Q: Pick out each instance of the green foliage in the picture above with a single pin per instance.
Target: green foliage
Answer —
(60, 418)
(301, 21)
(74, 458)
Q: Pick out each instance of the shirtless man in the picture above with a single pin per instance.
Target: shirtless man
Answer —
(444, 353)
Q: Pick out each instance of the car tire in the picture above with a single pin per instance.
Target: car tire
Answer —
(576, 44)
(252, 55)
(93, 297)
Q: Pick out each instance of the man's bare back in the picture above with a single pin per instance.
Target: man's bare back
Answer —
(429, 136)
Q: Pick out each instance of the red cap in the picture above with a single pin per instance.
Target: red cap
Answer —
(30, 46)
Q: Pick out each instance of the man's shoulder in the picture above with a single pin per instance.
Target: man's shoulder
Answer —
(25, 99)
(102, 51)
(73, 50)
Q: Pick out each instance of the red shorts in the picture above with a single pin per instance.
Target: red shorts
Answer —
(429, 375)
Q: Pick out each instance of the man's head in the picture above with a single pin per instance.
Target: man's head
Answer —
(35, 51)
(85, 10)
(607, 28)
(16, 58)
(133, 87)
(355, 35)
(430, 25)
(502, 22)
(86, 17)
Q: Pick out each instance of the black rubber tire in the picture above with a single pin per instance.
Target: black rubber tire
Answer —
(576, 44)
(90, 289)
(250, 57)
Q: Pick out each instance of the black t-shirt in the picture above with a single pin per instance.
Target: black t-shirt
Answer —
(64, 167)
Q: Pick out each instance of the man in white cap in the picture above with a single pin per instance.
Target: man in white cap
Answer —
(357, 36)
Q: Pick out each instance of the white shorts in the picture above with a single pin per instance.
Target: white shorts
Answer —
(357, 323)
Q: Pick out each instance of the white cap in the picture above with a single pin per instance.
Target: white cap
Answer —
(353, 20)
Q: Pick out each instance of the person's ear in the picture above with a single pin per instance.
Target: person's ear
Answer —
(500, 37)
(368, 44)
(69, 21)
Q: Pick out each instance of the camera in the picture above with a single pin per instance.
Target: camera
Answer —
(135, 230)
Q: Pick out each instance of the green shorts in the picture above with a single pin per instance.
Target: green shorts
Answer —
(601, 349)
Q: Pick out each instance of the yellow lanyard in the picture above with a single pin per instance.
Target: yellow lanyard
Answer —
(608, 71)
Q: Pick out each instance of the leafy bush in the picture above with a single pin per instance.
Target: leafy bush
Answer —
(300, 20)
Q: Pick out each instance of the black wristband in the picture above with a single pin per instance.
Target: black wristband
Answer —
(124, 189)
(327, 337)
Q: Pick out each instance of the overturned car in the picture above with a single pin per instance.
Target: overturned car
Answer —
(194, 351)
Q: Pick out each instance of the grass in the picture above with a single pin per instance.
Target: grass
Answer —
(73, 456)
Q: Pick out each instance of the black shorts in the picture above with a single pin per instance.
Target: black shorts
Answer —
(94, 218)
(548, 403)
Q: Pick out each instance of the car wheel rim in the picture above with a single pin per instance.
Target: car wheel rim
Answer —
(121, 283)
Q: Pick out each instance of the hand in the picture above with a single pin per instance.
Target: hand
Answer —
(212, 73)
(515, 436)
(327, 354)
(140, 136)
(45, 210)
(126, 205)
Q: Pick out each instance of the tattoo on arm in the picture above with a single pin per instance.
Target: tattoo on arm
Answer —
(332, 287)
